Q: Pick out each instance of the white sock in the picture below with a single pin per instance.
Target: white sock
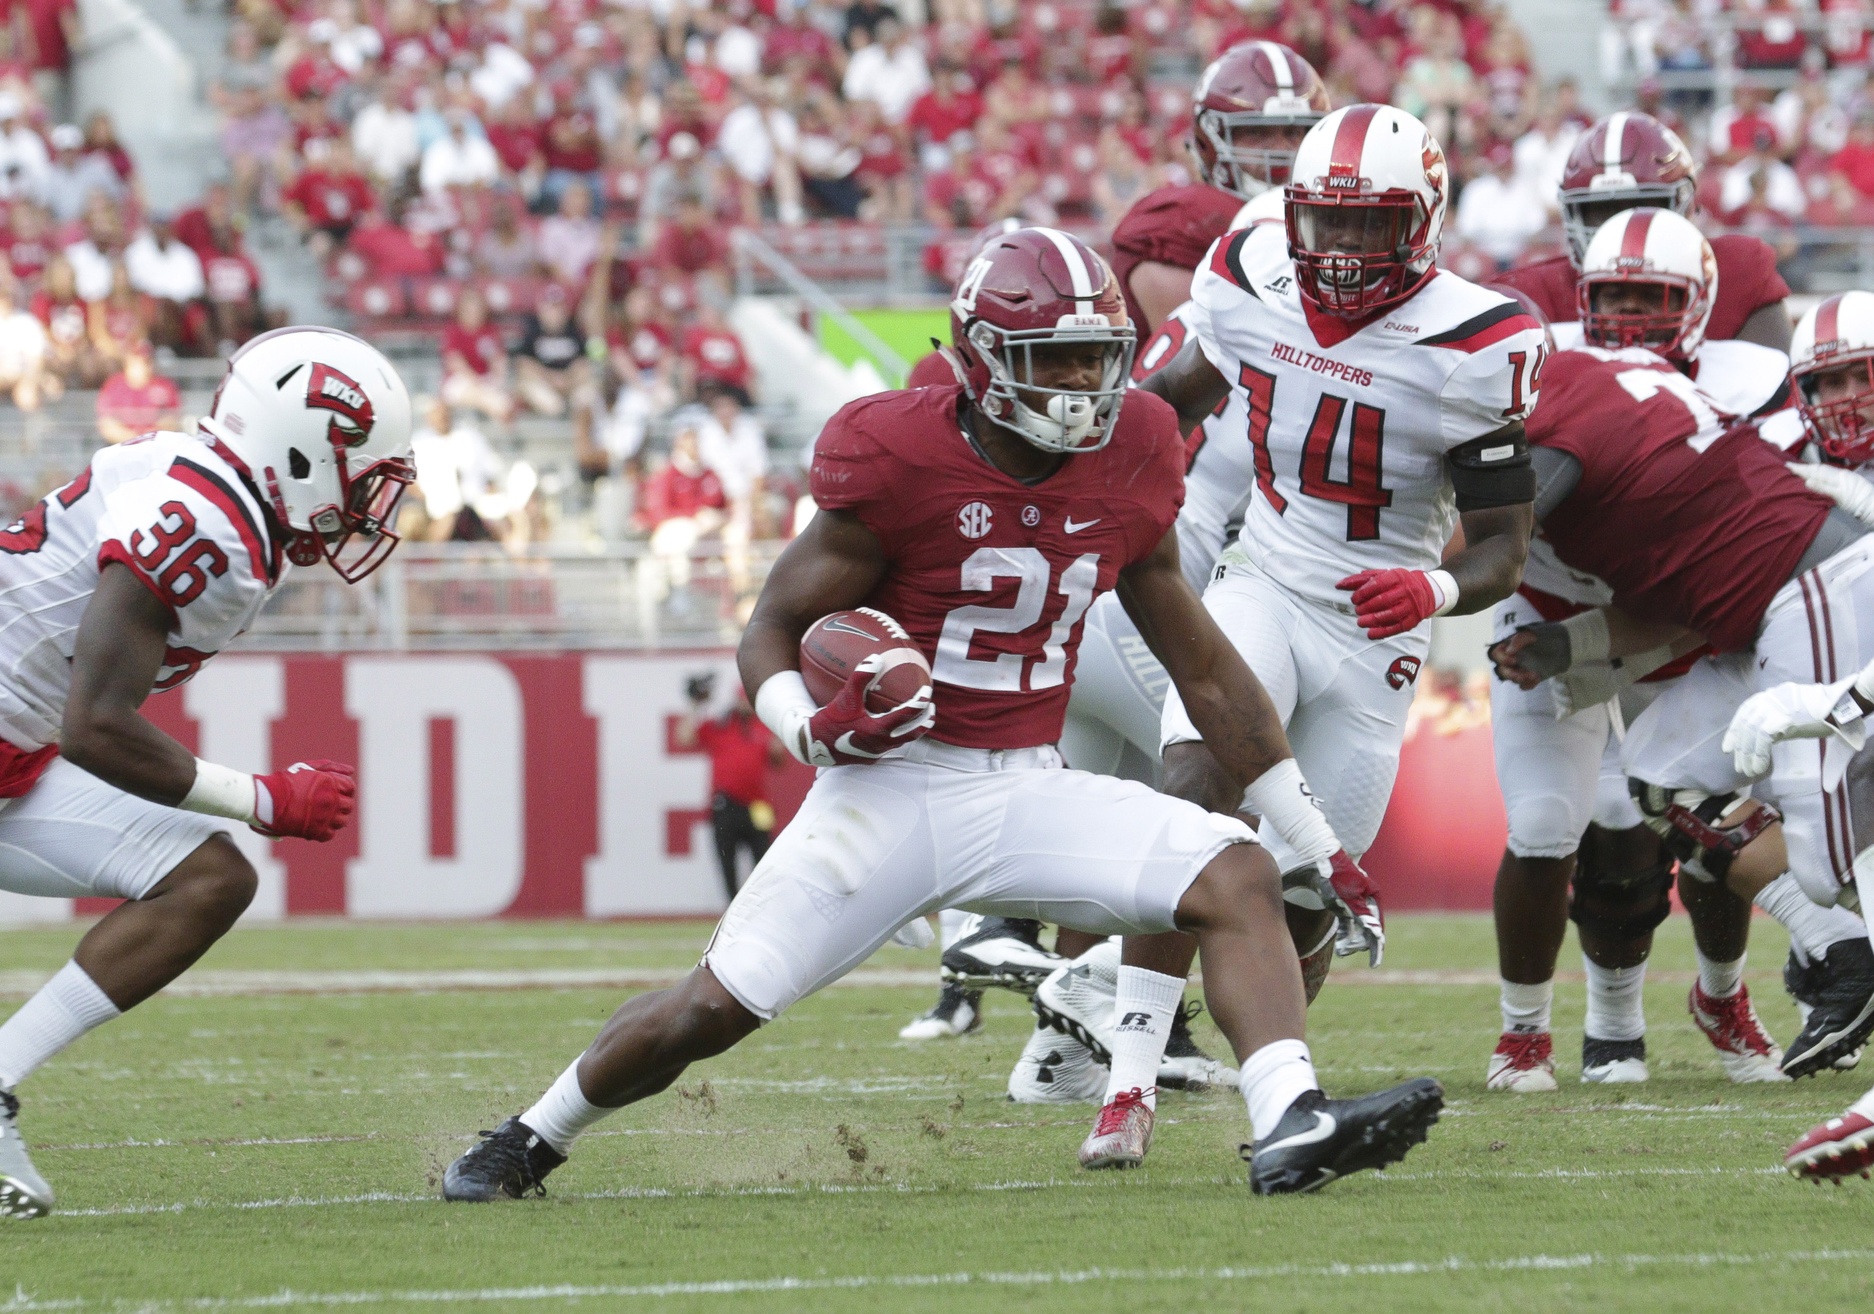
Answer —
(1616, 1010)
(1812, 928)
(66, 1007)
(1526, 1007)
(564, 1111)
(1142, 1012)
(1720, 980)
(953, 924)
(1274, 1077)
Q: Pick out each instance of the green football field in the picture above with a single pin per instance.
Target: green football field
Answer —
(268, 1141)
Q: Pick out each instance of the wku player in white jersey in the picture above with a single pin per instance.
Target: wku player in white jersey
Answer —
(1648, 279)
(123, 583)
(985, 517)
(1385, 401)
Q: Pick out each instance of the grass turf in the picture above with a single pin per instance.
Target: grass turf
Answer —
(284, 1152)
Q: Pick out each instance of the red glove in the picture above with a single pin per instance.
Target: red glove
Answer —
(1350, 892)
(1389, 602)
(309, 800)
(844, 733)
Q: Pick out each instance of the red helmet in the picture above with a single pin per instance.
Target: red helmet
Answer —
(1626, 160)
(1248, 113)
(1041, 287)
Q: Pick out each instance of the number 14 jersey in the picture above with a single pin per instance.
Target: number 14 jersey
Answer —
(1350, 421)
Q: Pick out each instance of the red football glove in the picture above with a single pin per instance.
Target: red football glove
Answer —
(309, 800)
(1350, 892)
(1389, 602)
(844, 733)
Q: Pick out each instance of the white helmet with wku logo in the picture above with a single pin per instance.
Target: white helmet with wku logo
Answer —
(1656, 250)
(322, 422)
(1366, 209)
(1836, 338)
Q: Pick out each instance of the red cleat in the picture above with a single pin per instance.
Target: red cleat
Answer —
(1524, 1062)
(1732, 1026)
(1121, 1135)
(1840, 1147)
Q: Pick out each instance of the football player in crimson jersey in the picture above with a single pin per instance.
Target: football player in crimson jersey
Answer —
(1249, 111)
(1631, 159)
(125, 582)
(986, 517)
(1646, 281)
(1384, 401)
(1697, 525)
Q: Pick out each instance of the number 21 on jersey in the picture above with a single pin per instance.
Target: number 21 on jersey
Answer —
(1005, 672)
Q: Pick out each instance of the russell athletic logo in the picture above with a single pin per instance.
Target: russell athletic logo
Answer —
(1135, 1022)
(1403, 671)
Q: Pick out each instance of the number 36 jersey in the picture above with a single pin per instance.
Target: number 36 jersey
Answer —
(990, 576)
(1349, 421)
(174, 512)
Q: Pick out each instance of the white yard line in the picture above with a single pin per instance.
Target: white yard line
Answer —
(27, 1303)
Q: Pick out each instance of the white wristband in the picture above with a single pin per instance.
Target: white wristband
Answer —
(1587, 636)
(785, 707)
(1445, 589)
(221, 791)
(1282, 798)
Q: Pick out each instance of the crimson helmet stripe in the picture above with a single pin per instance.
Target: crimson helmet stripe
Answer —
(1612, 144)
(1827, 321)
(1077, 271)
(1278, 64)
(1633, 240)
(1350, 139)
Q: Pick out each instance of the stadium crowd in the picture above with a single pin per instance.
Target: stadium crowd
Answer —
(544, 191)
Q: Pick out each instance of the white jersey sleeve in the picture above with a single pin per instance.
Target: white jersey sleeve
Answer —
(196, 544)
(1492, 386)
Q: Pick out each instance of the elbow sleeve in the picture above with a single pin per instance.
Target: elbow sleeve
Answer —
(1492, 471)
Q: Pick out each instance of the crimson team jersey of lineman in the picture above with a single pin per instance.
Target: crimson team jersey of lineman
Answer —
(933, 370)
(1684, 511)
(1169, 226)
(1747, 282)
(990, 576)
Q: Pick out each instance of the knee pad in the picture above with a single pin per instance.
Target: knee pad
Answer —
(1616, 898)
(1704, 832)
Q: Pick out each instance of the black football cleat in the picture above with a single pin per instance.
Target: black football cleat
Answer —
(1319, 1140)
(509, 1161)
(1004, 952)
(1838, 990)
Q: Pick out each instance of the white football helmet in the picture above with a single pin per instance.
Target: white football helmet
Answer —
(1655, 249)
(1366, 209)
(1838, 331)
(322, 423)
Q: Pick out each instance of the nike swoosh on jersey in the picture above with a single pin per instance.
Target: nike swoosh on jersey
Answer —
(1069, 526)
(1324, 1127)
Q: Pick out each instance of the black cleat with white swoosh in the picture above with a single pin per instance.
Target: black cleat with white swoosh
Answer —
(1320, 1139)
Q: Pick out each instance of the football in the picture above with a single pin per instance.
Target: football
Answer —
(834, 645)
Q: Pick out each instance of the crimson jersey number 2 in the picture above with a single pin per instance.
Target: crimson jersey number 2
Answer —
(1360, 492)
(1003, 673)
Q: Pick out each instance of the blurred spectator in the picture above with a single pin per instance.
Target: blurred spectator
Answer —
(23, 351)
(137, 400)
(1761, 183)
(550, 367)
(1769, 33)
(569, 240)
(1542, 153)
(383, 135)
(571, 148)
(460, 157)
(212, 224)
(70, 179)
(507, 248)
(233, 284)
(475, 361)
(101, 141)
(253, 133)
(101, 244)
(1743, 126)
(170, 275)
(1437, 83)
(712, 357)
(689, 244)
(458, 476)
(680, 504)
(758, 138)
(1855, 160)
(741, 753)
(390, 248)
(28, 242)
(828, 164)
(733, 445)
(69, 352)
(328, 198)
(54, 31)
(118, 324)
(1119, 179)
(890, 71)
(684, 171)
(949, 107)
(23, 157)
(884, 172)
(1496, 212)
(516, 141)
(350, 44)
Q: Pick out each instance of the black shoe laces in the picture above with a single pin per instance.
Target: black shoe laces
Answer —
(504, 1151)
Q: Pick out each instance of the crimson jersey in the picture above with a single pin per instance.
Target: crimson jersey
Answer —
(933, 370)
(1747, 282)
(1681, 509)
(1170, 226)
(990, 576)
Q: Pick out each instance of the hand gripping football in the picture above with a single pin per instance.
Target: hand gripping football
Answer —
(835, 645)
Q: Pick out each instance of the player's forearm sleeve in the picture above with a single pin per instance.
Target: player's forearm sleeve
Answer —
(221, 791)
(1282, 798)
(784, 706)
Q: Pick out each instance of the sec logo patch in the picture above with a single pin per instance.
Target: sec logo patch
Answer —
(974, 519)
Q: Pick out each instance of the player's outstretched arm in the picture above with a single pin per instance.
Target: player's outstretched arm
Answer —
(116, 656)
(1490, 566)
(1192, 385)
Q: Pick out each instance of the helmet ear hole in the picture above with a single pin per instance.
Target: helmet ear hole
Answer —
(297, 465)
